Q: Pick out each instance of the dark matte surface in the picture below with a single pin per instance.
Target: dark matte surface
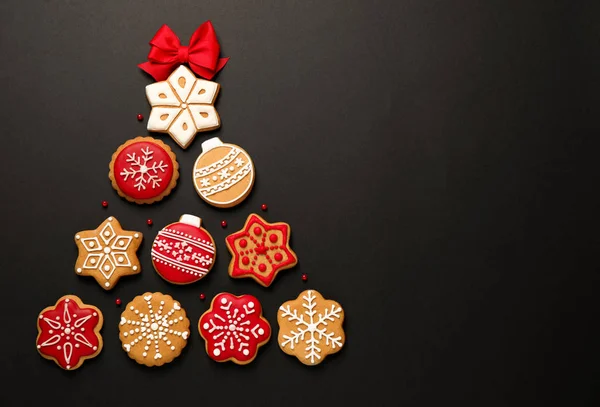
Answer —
(437, 162)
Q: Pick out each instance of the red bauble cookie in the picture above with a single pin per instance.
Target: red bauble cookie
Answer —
(260, 250)
(143, 170)
(69, 332)
(234, 328)
(183, 252)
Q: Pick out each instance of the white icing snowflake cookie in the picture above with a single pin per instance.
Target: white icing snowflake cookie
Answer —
(310, 327)
(183, 106)
(154, 329)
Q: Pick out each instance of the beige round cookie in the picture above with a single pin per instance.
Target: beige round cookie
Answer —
(154, 329)
(223, 173)
(310, 327)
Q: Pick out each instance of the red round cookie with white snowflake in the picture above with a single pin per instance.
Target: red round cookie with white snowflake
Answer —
(143, 170)
(183, 252)
(234, 328)
(69, 332)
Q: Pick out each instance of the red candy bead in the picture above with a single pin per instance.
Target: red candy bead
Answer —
(202, 296)
(257, 231)
(140, 117)
(264, 207)
(273, 238)
(223, 224)
(104, 204)
(243, 243)
(245, 260)
(118, 301)
(304, 277)
(262, 267)
(278, 257)
(149, 222)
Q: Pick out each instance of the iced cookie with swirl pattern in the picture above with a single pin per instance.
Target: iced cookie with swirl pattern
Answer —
(183, 106)
(154, 329)
(108, 253)
(310, 327)
(260, 250)
(69, 332)
(223, 173)
(233, 328)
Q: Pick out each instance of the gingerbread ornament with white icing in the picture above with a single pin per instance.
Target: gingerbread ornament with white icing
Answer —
(69, 332)
(143, 170)
(234, 328)
(154, 329)
(223, 173)
(183, 252)
(108, 253)
(183, 106)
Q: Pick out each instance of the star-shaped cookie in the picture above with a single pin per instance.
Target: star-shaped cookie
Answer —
(107, 253)
(260, 250)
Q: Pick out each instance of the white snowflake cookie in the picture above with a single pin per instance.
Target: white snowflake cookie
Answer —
(310, 327)
(183, 106)
(154, 329)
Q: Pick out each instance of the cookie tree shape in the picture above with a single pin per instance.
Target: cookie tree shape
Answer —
(143, 170)
(154, 329)
(310, 327)
(223, 173)
(183, 106)
(183, 252)
(234, 328)
(107, 253)
(260, 250)
(69, 332)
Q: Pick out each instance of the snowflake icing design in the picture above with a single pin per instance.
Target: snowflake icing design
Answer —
(140, 170)
(153, 332)
(234, 328)
(315, 327)
(107, 251)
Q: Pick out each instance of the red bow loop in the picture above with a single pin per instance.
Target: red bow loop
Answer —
(202, 54)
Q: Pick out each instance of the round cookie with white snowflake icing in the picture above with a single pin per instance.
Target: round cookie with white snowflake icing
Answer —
(183, 252)
(69, 332)
(234, 328)
(154, 329)
(310, 327)
(223, 173)
(143, 170)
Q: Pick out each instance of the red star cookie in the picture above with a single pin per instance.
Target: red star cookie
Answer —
(260, 250)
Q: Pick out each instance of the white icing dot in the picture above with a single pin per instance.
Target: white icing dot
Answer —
(95, 348)
(245, 352)
(206, 326)
(214, 179)
(68, 366)
(110, 218)
(92, 244)
(136, 235)
(76, 345)
(38, 346)
(59, 347)
(94, 314)
(216, 352)
(261, 331)
(231, 168)
(131, 308)
(93, 261)
(134, 268)
(223, 300)
(50, 331)
(67, 331)
(122, 243)
(121, 258)
(82, 329)
(107, 233)
(144, 354)
(250, 304)
(107, 284)
(107, 250)
(77, 237)
(79, 270)
(172, 347)
(106, 268)
(124, 333)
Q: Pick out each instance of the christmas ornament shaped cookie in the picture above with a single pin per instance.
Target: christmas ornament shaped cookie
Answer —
(143, 170)
(234, 328)
(69, 332)
(223, 173)
(260, 250)
(310, 327)
(183, 106)
(183, 252)
(108, 252)
(154, 329)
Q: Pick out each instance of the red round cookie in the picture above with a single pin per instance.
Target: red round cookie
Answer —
(68, 332)
(183, 252)
(143, 170)
(234, 328)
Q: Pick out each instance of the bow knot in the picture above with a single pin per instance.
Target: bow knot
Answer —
(202, 53)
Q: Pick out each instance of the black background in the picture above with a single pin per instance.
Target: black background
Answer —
(437, 162)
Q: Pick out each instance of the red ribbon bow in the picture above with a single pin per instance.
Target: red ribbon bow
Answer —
(202, 55)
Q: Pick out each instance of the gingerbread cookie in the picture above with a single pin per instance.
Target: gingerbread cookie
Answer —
(234, 328)
(154, 329)
(310, 327)
(183, 252)
(143, 170)
(107, 253)
(223, 173)
(69, 332)
(260, 250)
(183, 106)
